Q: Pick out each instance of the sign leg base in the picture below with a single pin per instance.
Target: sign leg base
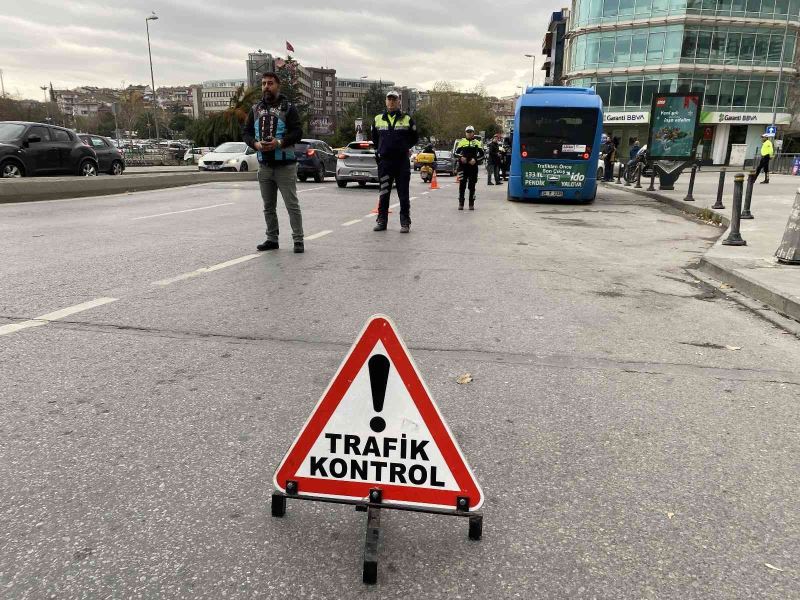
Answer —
(278, 505)
(370, 573)
(476, 527)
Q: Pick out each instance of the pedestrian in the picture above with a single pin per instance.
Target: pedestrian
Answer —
(767, 152)
(494, 160)
(272, 129)
(633, 151)
(469, 152)
(607, 147)
(394, 133)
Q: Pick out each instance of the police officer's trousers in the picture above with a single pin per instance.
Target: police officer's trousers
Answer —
(399, 174)
(469, 176)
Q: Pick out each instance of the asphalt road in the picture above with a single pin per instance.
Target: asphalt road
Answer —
(636, 435)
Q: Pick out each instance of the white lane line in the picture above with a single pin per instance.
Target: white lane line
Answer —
(413, 198)
(210, 269)
(353, 222)
(316, 236)
(395, 205)
(55, 316)
(175, 212)
(369, 215)
(311, 189)
(425, 193)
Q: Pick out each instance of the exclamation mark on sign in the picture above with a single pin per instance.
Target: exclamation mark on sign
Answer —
(378, 375)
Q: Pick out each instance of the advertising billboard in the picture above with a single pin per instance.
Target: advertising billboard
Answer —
(674, 119)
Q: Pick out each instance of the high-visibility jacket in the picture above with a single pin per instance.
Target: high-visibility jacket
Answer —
(394, 135)
(767, 149)
(470, 149)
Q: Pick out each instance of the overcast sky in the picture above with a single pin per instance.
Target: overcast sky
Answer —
(102, 43)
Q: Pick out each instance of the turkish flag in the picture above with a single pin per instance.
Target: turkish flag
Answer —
(289, 47)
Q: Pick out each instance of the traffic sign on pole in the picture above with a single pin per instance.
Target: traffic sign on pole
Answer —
(772, 130)
(376, 427)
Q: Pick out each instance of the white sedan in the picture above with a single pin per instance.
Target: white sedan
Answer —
(231, 156)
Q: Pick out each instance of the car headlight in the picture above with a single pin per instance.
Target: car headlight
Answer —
(231, 161)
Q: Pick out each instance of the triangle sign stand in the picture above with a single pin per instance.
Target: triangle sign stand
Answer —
(376, 439)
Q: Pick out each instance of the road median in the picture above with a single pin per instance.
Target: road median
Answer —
(53, 188)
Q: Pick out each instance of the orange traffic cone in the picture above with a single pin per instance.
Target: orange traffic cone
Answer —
(434, 182)
(375, 210)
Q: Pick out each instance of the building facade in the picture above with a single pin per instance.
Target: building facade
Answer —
(217, 94)
(733, 51)
(553, 48)
(323, 103)
(256, 64)
(353, 91)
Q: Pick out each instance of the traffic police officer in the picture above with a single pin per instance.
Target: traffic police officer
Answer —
(469, 152)
(394, 133)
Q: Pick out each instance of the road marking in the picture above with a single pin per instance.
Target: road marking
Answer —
(413, 198)
(210, 269)
(353, 222)
(424, 193)
(55, 316)
(395, 205)
(311, 189)
(175, 212)
(369, 215)
(316, 236)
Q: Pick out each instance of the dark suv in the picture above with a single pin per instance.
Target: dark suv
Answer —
(314, 159)
(109, 158)
(28, 149)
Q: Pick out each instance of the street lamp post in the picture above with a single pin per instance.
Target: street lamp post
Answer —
(147, 20)
(533, 69)
(363, 96)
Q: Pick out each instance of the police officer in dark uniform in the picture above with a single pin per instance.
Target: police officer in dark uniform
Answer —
(394, 133)
(470, 153)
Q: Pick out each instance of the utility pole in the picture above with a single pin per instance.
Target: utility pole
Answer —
(152, 17)
(2, 84)
(533, 69)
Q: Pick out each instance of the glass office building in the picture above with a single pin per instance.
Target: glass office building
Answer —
(730, 50)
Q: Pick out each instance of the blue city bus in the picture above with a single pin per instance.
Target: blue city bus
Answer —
(556, 144)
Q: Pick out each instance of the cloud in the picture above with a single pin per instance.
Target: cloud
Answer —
(89, 42)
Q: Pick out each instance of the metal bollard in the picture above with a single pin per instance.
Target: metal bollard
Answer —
(720, 189)
(638, 185)
(748, 195)
(734, 237)
(689, 197)
(627, 177)
(619, 173)
(652, 187)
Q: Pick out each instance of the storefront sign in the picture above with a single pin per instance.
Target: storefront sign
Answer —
(626, 117)
(673, 123)
(567, 175)
(743, 118)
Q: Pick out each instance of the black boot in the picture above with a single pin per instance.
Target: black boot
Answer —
(472, 203)
(460, 204)
(380, 226)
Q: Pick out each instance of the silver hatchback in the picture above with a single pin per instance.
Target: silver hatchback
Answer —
(356, 162)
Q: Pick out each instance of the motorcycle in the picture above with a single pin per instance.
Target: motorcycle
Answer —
(427, 160)
(638, 162)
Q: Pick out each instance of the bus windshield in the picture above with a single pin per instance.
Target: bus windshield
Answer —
(557, 132)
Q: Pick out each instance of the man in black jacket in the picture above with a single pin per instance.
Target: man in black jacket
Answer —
(394, 133)
(273, 128)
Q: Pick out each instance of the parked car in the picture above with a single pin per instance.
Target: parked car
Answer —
(231, 156)
(357, 163)
(194, 155)
(109, 158)
(446, 162)
(315, 159)
(28, 149)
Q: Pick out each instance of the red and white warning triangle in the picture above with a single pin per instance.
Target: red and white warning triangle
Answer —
(376, 426)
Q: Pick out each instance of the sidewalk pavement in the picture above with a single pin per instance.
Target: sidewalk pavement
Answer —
(753, 269)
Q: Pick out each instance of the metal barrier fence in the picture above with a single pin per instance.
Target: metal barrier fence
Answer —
(783, 163)
(143, 157)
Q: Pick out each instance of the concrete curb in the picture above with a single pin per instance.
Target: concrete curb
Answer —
(782, 303)
(674, 202)
(53, 188)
